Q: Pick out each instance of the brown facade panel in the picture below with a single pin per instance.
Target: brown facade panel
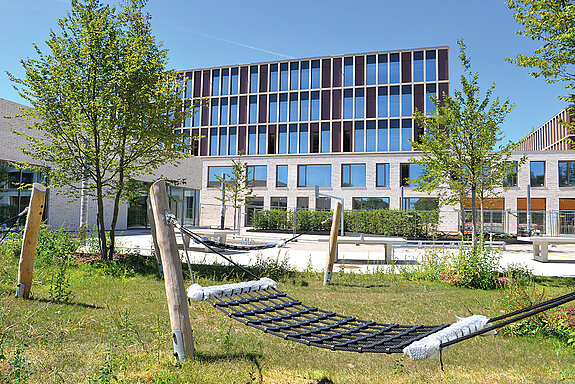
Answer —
(443, 65)
(241, 140)
(371, 102)
(336, 104)
(205, 114)
(195, 141)
(359, 70)
(243, 110)
(244, 77)
(325, 104)
(197, 83)
(443, 90)
(567, 204)
(263, 78)
(336, 136)
(326, 73)
(406, 67)
(419, 97)
(337, 72)
(347, 136)
(538, 204)
(204, 142)
(263, 109)
(206, 84)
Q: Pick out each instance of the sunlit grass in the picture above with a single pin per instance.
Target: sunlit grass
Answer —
(122, 323)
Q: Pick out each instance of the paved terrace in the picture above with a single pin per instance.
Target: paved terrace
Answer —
(307, 253)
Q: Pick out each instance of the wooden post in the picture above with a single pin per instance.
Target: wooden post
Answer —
(332, 243)
(173, 276)
(33, 221)
(152, 222)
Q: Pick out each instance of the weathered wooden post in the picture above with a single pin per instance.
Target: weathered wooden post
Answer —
(173, 275)
(152, 222)
(33, 221)
(332, 243)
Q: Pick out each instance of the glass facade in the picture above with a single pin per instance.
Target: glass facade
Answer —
(376, 92)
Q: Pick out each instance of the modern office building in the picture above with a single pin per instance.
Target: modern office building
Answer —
(342, 122)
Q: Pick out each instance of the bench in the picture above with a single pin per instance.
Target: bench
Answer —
(387, 242)
(541, 245)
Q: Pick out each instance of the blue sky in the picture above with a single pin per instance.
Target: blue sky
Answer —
(222, 32)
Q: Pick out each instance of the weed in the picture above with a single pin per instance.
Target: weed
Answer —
(398, 366)
(106, 374)
(477, 266)
(224, 336)
(18, 371)
(274, 268)
(59, 290)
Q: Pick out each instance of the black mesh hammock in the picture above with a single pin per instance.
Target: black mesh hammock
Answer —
(13, 220)
(259, 304)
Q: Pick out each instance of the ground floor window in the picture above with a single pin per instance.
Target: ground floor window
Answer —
(537, 216)
(420, 203)
(322, 204)
(278, 203)
(567, 216)
(302, 203)
(255, 204)
(184, 203)
(15, 192)
(369, 203)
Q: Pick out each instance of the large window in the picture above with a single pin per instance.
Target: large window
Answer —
(370, 70)
(537, 174)
(382, 69)
(293, 102)
(430, 66)
(281, 176)
(567, 173)
(258, 175)
(282, 139)
(382, 102)
(312, 175)
(394, 68)
(369, 203)
(273, 78)
(273, 110)
(418, 66)
(382, 175)
(420, 204)
(15, 192)
(294, 71)
(255, 204)
(283, 76)
(215, 172)
(315, 74)
(304, 106)
(358, 137)
(322, 204)
(278, 203)
(325, 138)
(511, 179)
(406, 100)
(304, 75)
(348, 71)
(353, 175)
(410, 172)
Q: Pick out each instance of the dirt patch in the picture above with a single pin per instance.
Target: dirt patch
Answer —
(87, 257)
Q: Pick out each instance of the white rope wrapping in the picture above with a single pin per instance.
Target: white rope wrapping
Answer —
(428, 347)
(198, 293)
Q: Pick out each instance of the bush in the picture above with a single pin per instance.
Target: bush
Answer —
(55, 245)
(387, 222)
(477, 266)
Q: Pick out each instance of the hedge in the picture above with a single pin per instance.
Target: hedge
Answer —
(387, 222)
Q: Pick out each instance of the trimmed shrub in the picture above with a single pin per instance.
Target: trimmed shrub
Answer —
(387, 222)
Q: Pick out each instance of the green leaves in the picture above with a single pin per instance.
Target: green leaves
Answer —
(459, 151)
(104, 105)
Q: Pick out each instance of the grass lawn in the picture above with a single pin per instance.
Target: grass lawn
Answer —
(116, 329)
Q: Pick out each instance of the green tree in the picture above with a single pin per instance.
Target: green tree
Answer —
(237, 187)
(106, 107)
(460, 153)
(552, 23)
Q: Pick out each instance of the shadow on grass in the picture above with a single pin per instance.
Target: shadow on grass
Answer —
(71, 304)
(247, 357)
(325, 380)
(352, 285)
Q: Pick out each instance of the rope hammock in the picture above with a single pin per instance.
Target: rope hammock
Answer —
(259, 304)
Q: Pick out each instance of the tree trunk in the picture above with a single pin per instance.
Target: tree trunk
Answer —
(473, 214)
(101, 224)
